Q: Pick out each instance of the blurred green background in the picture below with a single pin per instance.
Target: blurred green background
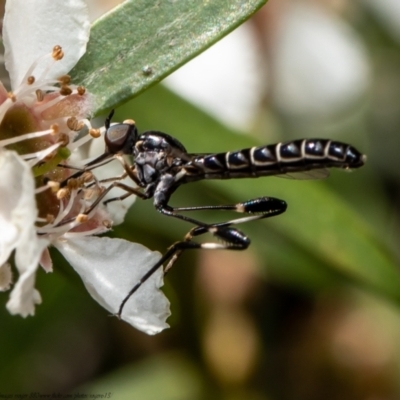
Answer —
(312, 309)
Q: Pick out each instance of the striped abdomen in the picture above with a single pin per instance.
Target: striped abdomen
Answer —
(280, 158)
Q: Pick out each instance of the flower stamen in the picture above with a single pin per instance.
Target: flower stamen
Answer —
(65, 90)
(35, 157)
(63, 139)
(39, 95)
(74, 124)
(57, 53)
(81, 90)
(26, 136)
(64, 79)
(81, 218)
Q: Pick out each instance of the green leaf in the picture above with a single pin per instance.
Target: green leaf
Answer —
(167, 376)
(140, 42)
(320, 237)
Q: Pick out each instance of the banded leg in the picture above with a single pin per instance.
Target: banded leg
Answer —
(259, 208)
(232, 238)
(262, 207)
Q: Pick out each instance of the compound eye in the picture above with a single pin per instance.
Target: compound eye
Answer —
(120, 138)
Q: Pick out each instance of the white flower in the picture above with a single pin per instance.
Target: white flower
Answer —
(225, 79)
(39, 124)
(319, 65)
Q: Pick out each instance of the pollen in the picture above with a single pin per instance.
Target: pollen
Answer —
(94, 133)
(64, 79)
(65, 90)
(31, 80)
(129, 122)
(55, 128)
(73, 184)
(39, 95)
(63, 139)
(81, 90)
(81, 218)
(63, 193)
(55, 186)
(12, 97)
(57, 53)
(74, 124)
(50, 218)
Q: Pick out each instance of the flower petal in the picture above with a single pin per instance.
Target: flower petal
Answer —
(109, 268)
(32, 28)
(45, 261)
(17, 203)
(24, 296)
(17, 230)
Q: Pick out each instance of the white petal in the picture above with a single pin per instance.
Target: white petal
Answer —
(17, 203)
(17, 231)
(109, 268)
(24, 296)
(45, 261)
(5, 277)
(32, 28)
(319, 64)
(225, 80)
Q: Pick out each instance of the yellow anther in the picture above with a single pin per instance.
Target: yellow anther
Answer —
(81, 218)
(64, 79)
(39, 95)
(73, 184)
(81, 90)
(63, 193)
(50, 218)
(55, 128)
(57, 53)
(65, 90)
(55, 186)
(94, 133)
(74, 124)
(63, 138)
(12, 97)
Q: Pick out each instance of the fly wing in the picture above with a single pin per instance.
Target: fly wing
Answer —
(320, 173)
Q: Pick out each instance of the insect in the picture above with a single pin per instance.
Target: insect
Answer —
(161, 164)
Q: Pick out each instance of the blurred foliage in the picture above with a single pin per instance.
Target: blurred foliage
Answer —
(310, 311)
(156, 38)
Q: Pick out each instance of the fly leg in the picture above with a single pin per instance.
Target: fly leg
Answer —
(231, 238)
(259, 208)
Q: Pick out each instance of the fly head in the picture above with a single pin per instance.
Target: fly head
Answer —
(120, 138)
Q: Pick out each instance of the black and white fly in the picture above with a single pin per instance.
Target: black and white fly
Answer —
(161, 164)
